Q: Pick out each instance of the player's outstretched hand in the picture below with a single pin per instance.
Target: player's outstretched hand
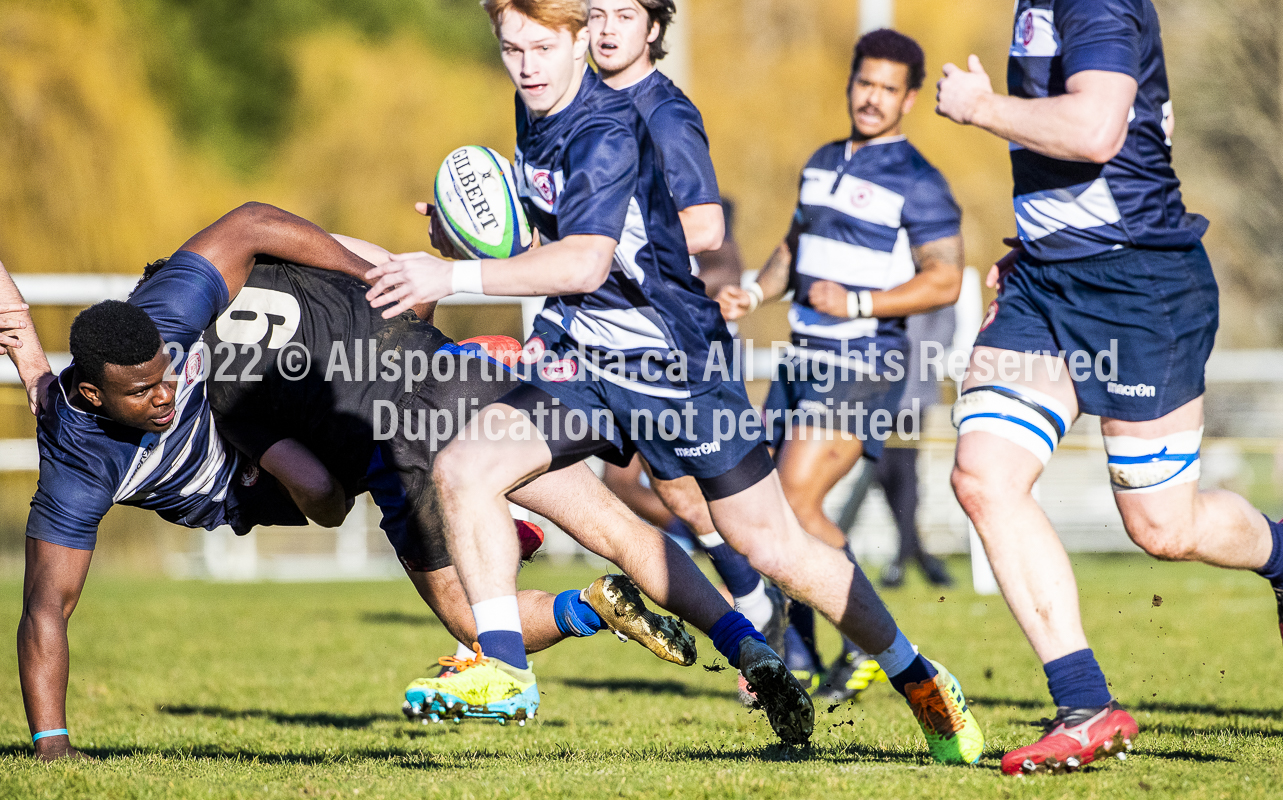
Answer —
(734, 302)
(829, 298)
(11, 320)
(436, 232)
(408, 280)
(961, 91)
(999, 271)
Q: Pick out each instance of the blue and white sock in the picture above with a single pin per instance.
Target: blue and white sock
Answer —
(732, 567)
(573, 616)
(903, 665)
(1076, 681)
(499, 630)
(1273, 569)
(756, 605)
(729, 631)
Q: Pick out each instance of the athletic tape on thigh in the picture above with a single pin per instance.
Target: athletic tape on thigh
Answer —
(1148, 465)
(1031, 419)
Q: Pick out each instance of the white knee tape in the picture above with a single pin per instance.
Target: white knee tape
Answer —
(1028, 418)
(1150, 465)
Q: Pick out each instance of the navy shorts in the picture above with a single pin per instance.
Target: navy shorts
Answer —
(714, 436)
(817, 397)
(1154, 310)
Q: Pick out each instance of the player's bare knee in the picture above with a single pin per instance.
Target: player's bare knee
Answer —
(1161, 538)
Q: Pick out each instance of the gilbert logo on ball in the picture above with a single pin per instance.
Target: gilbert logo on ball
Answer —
(476, 198)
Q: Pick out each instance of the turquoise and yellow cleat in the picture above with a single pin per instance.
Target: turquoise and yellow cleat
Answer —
(478, 688)
(953, 735)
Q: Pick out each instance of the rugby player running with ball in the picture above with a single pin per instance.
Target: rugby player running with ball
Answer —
(615, 267)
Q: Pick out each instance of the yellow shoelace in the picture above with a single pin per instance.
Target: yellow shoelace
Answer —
(460, 664)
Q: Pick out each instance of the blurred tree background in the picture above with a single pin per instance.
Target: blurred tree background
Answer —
(127, 125)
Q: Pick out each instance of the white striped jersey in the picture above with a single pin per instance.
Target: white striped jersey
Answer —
(859, 212)
(88, 463)
(592, 168)
(1069, 210)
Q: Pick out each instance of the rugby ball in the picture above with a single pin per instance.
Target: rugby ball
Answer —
(476, 198)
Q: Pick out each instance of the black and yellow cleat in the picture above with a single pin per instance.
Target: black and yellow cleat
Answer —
(619, 604)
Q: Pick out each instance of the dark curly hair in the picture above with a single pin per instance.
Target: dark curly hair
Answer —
(661, 11)
(890, 45)
(112, 332)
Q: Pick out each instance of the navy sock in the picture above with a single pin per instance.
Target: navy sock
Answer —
(678, 532)
(797, 656)
(729, 631)
(573, 616)
(1076, 681)
(1273, 569)
(505, 646)
(733, 568)
(918, 671)
(802, 617)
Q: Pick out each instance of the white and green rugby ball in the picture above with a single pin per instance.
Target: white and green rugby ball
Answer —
(476, 196)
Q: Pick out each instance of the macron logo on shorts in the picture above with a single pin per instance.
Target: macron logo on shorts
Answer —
(1134, 390)
(698, 450)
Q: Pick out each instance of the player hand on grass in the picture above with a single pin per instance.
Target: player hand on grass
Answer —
(408, 280)
(436, 232)
(961, 91)
(999, 271)
(829, 298)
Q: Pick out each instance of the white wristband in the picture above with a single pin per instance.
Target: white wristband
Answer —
(466, 277)
(859, 304)
(755, 296)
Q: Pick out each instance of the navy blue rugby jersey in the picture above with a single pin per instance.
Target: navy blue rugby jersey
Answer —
(1068, 210)
(677, 129)
(184, 473)
(591, 168)
(859, 212)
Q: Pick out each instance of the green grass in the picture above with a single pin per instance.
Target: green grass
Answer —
(200, 690)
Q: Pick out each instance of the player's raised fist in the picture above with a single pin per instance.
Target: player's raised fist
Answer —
(829, 298)
(962, 91)
(735, 302)
(436, 232)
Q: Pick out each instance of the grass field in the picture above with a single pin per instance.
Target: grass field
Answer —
(201, 690)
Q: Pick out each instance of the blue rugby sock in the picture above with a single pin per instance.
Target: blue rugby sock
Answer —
(732, 567)
(1273, 569)
(573, 616)
(729, 631)
(802, 619)
(1076, 681)
(919, 670)
(499, 630)
(797, 656)
(506, 646)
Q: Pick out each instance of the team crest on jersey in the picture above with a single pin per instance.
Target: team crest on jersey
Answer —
(192, 369)
(1025, 29)
(861, 195)
(533, 350)
(991, 316)
(542, 179)
(560, 371)
(249, 475)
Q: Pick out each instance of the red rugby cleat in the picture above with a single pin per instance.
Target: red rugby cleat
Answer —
(504, 349)
(1077, 736)
(531, 537)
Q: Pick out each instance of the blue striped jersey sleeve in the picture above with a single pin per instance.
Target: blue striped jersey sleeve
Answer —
(930, 212)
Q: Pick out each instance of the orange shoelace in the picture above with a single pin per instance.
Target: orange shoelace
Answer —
(930, 705)
(460, 664)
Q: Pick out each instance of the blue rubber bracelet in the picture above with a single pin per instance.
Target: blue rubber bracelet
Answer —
(58, 732)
